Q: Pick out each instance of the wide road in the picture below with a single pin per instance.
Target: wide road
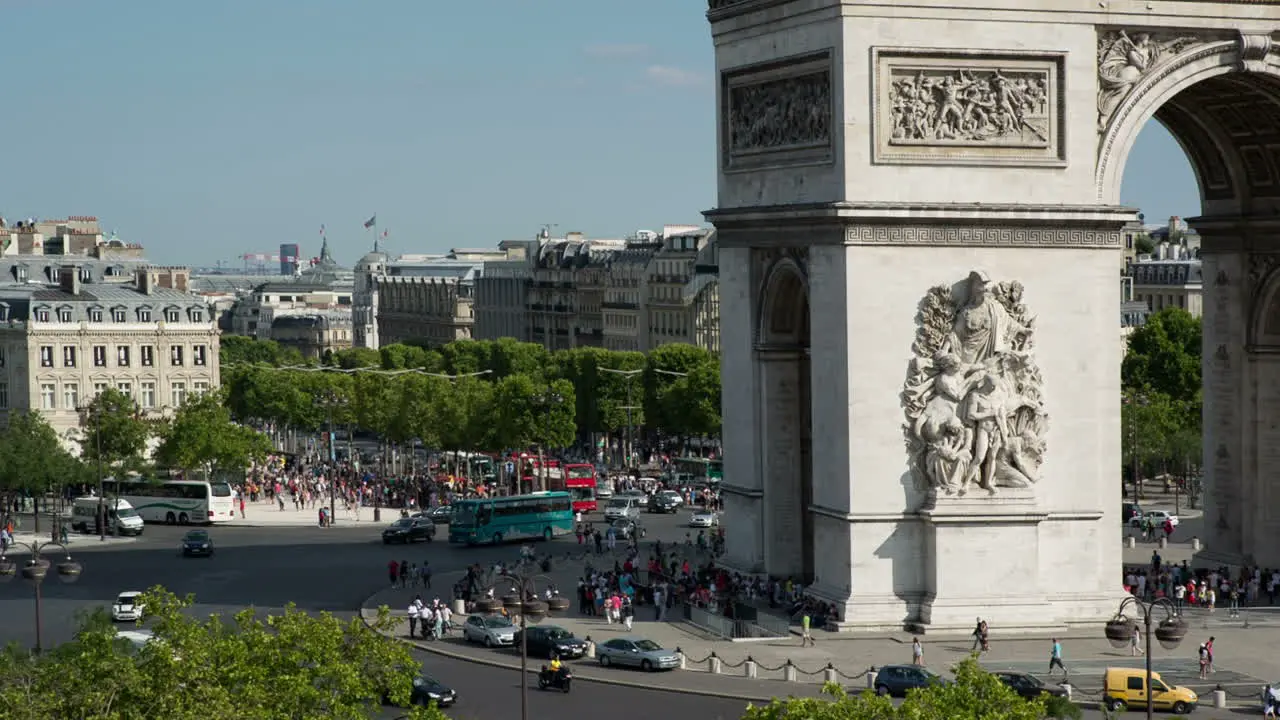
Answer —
(334, 570)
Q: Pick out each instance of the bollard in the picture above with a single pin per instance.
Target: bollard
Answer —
(1195, 544)
(1130, 542)
(1067, 688)
(1219, 697)
(828, 674)
(749, 669)
(714, 666)
(683, 659)
(789, 672)
(1164, 543)
(459, 607)
(591, 647)
(871, 678)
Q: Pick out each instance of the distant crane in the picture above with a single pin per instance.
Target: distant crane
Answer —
(258, 263)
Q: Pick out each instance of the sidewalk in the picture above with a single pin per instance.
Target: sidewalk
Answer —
(75, 541)
(1243, 662)
(264, 513)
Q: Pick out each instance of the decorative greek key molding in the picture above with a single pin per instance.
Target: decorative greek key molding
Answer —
(982, 236)
(956, 107)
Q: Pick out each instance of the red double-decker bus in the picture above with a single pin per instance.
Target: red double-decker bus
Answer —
(579, 480)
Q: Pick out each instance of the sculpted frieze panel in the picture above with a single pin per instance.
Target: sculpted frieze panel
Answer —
(982, 236)
(778, 114)
(972, 398)
(952, 107)
(1126, 57)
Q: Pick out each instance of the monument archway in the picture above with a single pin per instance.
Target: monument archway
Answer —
(786, 444)
(949, 183)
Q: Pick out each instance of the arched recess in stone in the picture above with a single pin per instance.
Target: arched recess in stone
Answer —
(783, 354)
(1225, 114)
(1264, 321)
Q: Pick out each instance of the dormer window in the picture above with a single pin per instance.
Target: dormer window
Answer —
(144, 314)
(95, 314)
(171, 315)
(4, 312)
(86, 274)
(20, 273)
(196, 314)
(64, 314)
(42, 314)
(117, 314)
(52, 273)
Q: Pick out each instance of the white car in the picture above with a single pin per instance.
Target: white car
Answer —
(126, 608)
(1157, 518)
(640, 497)
(621, 506)
(490, 631)
(138, 638)
(704, 519)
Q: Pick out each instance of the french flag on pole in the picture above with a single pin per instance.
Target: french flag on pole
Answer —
(371, 222)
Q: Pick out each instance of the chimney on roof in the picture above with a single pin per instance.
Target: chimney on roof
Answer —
(69, 279)
(145, 280)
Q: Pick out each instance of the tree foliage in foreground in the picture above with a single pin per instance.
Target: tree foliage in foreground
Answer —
(975, 695)
(293, 666)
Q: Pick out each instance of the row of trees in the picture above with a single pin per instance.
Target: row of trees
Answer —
(1161, 415)
(473, 394)
(290, 665)
(115, 437)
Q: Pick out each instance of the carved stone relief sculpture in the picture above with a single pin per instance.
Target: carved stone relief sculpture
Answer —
(936, 106)
(780, 112)
(974, 415)
(1124, 59)
(1260, 267)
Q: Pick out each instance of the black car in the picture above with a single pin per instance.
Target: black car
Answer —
(440, 515)
(896, 680)
(1029, 686)
(407, 530)
(197, 543)
(551, 641)
(427, 690)
(666, 501)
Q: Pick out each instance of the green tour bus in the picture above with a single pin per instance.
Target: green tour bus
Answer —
(699, 470)
(515, 517)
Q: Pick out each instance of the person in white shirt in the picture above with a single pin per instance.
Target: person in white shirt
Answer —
(414, 615)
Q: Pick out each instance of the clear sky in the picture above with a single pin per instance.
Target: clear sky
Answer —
(208, 130)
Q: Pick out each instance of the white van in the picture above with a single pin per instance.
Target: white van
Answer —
(121, 519)
(622, 506)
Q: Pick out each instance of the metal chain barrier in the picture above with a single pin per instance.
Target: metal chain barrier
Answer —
(802, 671)
(766, 668)
(859, 676)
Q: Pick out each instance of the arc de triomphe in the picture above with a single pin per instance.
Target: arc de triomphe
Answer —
(920, 258)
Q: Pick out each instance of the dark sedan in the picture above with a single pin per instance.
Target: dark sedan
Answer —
(427, 690)
(407, 530)
(1029, 686)
(440, 515)
(667, 501)
(897, 680)
(197, 543)
(551, 641)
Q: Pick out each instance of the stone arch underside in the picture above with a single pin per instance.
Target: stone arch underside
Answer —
(787, 445)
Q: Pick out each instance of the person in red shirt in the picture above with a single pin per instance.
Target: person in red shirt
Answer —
(393, 570)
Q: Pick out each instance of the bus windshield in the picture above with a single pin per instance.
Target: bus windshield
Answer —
(464, 514)
(220, 489)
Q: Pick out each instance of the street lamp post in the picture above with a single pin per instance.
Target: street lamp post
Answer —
(331, 401)
(87, 415)
(523, 599)
(629, 375)
(34, 571)
(1169, 632)
(672, 373)
(1133, 401)
(548, 399)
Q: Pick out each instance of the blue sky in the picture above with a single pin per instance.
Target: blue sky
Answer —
(209, 130)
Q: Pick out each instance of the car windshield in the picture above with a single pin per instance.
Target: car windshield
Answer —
(402, 523)
(220, 489)
(619, 502)
(647, 646)
(558, 634)
(126, 512)
(197, 536)
(1031, 680)
(125, 601)
(497, 622)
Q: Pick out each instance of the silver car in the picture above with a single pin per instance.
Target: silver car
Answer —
(494, 631)
(637, 652)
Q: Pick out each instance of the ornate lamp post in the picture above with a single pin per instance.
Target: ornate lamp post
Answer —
(34, 571)
(1168, 631)
(522, 597)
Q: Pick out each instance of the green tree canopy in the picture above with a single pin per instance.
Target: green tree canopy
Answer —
(114, 431)
(1163, 356)
(286, 666)
(202, 436)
